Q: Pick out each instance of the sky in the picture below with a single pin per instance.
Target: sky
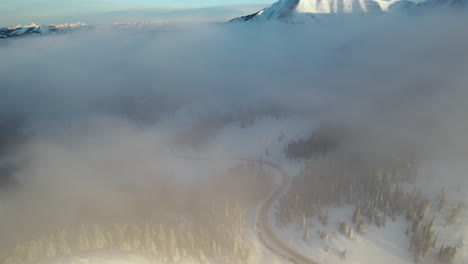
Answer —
(14, 12)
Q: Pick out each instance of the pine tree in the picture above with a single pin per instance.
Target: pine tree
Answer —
(356, 215)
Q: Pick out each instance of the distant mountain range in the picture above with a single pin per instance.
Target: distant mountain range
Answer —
(34, 30)
(287, 11)
(39, 30)
(305, 11)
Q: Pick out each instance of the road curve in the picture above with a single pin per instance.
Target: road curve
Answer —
(264, 231)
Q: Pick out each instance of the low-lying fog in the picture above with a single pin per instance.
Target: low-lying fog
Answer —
(103, 122)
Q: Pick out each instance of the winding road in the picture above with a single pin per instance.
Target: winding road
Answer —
(265, 233)
(263, 229)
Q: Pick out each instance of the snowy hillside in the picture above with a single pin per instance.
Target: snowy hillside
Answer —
(390, 243)
(33, 29)
(304, 11)
(391, 240)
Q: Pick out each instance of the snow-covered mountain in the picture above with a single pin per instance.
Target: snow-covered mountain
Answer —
(304, 11)
(310, 10)
(33, 29)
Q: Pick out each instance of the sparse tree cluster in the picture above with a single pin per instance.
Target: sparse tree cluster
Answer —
(361, 227)
(324, 236)
(456, 213)
(374, 187)
(340, 181)
(220, 238)
(322, 141)
(346, 230)
(344, 255)
(442, 201)
(423, 239)
(447, 254)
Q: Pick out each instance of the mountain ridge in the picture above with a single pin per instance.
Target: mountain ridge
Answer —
(304, 11)
(36, 30)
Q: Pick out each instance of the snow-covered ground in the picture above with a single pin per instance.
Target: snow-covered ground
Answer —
(378, 245)
(386, 245)
(266, 138)
(451, 175)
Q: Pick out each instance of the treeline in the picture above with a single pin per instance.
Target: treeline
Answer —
(321, 142)
(339, 180)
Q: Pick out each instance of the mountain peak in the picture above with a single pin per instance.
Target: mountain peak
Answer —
(304, 11)
(300, 10)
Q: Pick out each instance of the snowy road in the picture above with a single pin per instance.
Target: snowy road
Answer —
(263, 230)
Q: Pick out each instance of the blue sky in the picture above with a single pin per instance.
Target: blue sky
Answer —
(14, 12)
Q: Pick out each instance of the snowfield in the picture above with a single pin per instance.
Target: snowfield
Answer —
(378, 244)
(386, 245)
